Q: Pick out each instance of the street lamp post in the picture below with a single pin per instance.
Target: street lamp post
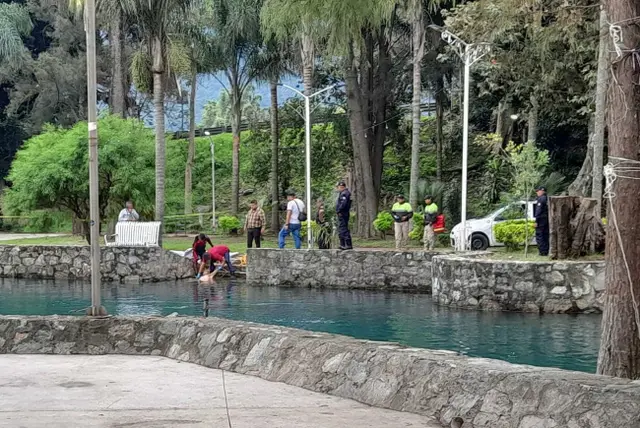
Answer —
(213, 180)
(470, 53)
(307, 127)
(94, 210)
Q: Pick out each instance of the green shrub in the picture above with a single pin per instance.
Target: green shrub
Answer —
(418, 227)
(42, 221)
(383, 223)
(228, 223)
(514, 233)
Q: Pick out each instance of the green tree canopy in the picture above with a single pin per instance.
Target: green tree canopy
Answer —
(51, 170)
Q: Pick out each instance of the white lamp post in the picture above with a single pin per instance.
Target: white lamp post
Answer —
(469, 53)
(307, 123)
(213, 180)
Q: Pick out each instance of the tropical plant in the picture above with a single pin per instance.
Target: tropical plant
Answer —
(158, 21)
(417, 232)
(15, 24)
(514, 233)
(228, 223)
(383, 223)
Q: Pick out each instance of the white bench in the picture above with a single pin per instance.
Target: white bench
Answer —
(135, 234)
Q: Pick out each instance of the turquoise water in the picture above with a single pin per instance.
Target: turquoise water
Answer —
(564, 341)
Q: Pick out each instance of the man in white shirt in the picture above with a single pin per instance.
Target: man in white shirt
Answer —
(296, 214)
(128, 213)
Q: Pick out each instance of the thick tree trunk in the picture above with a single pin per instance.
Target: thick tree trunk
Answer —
(236, 119)
(600, 114)
(379, 105)
(533, 120)
(581, 185)
(418, 53)
(575, 227)
(191, 150)
(118, 79)
(440, 97)
(620, 343)
(158, 105)
(366, 194)
(275, 140)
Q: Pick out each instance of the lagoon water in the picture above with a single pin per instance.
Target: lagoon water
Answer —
(563, 341)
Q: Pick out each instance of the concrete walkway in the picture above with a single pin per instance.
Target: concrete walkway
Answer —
(16, 236)
(142, 392)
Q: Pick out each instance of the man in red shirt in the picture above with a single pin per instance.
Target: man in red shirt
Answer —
(217, 253)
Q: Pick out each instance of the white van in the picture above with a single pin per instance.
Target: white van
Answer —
(481, 230)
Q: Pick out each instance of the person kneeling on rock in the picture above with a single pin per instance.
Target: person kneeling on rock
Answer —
(218, 253)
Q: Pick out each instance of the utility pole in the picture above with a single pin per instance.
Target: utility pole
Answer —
(469, 54)
(96, 308)
(307, 128)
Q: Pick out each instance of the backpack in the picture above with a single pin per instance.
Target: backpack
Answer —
(438, 225)
(302, 214)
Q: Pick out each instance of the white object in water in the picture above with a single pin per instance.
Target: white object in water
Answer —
(135, 234)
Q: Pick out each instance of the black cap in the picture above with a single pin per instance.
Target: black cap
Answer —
(544, 189)
(291, 192)
(428, 197)
(400, 196)
(341, 183)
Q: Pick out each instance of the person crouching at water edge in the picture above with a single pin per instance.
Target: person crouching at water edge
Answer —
(219, 253)
(199, 248)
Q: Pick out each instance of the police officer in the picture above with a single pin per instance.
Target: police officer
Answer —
(541, 214)
(343, 208)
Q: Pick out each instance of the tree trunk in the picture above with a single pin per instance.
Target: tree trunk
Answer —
(118, 79)
(600, 114)
(581, 186)
(533, 120)
(362, 160)
(620, 343)
(191, 151)
(418, 53)
(275, 140)
(500, 119)
(236, 119)
(575, 227)
(158, 105)
(380, 98)
(440, 96)
(307, 53)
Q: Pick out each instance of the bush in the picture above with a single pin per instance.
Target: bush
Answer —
(228, 223)
(383, 223)
(418, 227)
(514, 233)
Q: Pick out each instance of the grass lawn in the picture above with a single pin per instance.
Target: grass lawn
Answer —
(173, 242)
(500, 253)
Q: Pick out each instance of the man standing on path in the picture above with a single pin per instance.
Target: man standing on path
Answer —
(541, 214)
(343, 210)
(430, 216)
(292, 225)
(402, 213)
(128, 213)
(254, 224)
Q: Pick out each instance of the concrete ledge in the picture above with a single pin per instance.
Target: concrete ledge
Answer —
(544, 287)
(73, 262)
(484, 393)
(363, 269)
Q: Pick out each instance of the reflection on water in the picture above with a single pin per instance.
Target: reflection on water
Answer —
(564, 341)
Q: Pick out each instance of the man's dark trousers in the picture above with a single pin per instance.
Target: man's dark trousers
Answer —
(343, 231)
(542, 238)
(253, 234)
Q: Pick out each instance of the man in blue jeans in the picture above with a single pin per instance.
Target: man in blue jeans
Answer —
(292, 225)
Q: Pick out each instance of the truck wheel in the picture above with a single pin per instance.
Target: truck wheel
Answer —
(479, 242)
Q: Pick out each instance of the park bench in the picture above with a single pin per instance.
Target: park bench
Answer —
(134, 234)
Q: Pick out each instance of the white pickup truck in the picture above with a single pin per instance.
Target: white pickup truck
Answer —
(480, 230)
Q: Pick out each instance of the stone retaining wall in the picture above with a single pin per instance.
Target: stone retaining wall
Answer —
(483, 393)
(552, 287)
(368, 269)
(69, 262)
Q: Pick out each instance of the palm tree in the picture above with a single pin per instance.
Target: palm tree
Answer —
(415, 12)
(236, 24)
(15, 23)
(157, 19)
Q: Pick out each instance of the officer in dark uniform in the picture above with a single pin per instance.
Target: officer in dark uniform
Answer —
(541, 214)
(343, 208)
